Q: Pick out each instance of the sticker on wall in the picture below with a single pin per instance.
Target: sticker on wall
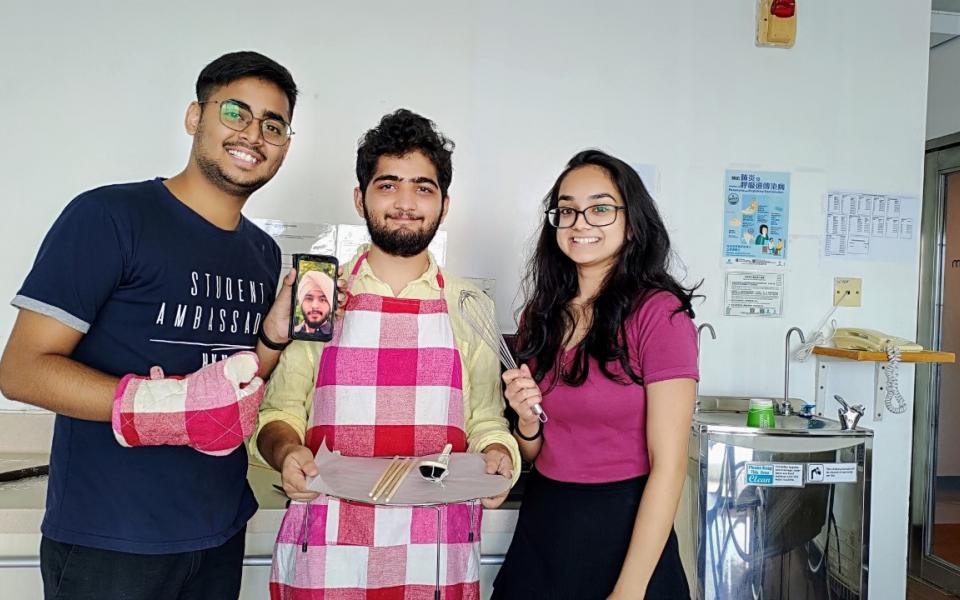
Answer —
(753, 294)
(864, 226)
(756, 206)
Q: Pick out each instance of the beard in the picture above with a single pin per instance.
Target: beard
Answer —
(214, 172)
(314, 324)
(400, 242)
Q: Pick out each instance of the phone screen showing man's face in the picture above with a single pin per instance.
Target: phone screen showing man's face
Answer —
(314, 298)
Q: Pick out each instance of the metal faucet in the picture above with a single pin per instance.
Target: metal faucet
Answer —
(849, 414)
(713, 335)
(786, 409)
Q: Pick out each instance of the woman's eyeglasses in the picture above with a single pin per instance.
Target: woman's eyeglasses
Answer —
(599, 215)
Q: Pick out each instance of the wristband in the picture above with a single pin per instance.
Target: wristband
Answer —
(535, 436)
(262, 336)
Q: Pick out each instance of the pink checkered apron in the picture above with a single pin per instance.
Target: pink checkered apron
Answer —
(389, 383)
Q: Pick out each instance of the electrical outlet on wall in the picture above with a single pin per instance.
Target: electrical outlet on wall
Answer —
(847, 291)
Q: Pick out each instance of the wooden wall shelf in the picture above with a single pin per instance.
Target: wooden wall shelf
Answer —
(925, 356)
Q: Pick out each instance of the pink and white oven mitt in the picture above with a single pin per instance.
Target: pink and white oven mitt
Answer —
(213, 410)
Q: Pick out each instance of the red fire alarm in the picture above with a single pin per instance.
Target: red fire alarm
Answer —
(776, 23)
(783, 8)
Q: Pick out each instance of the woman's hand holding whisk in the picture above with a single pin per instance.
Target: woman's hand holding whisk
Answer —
(523, 394)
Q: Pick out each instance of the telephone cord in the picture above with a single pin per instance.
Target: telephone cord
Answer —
(894, 399)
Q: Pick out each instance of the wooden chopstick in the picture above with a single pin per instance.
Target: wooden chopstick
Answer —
(390, 479)
(388, 482)
(375, 491)
(396, 486)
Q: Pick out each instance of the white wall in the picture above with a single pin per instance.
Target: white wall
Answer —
(95, 93)
(943, 94)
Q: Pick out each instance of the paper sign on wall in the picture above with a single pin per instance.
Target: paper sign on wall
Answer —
(755, 217)
(864, 226)
(753, 294)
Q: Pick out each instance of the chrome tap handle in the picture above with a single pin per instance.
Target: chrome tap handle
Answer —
(849, 414)
(841, 401)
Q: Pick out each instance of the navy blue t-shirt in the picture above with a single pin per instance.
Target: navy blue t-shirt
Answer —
(149, 282)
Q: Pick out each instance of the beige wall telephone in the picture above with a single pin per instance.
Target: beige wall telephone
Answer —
(853, 338)
(870, 340)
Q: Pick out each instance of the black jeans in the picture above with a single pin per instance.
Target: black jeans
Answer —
(72, 572)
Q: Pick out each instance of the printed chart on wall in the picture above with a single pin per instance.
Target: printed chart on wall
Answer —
(753, 294)
(875, 227)
(755, 217)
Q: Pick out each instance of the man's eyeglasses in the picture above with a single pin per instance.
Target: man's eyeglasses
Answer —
(599, 215)
(236, 115)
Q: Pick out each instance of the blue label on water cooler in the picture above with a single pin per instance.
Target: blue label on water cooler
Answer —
(759, 474)
(775, 474)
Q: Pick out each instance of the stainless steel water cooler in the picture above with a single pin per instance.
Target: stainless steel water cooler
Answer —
(776, 514)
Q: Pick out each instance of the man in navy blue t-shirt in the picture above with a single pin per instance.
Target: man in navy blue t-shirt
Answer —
(163, 273)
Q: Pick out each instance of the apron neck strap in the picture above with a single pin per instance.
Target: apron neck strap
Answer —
(363, 257)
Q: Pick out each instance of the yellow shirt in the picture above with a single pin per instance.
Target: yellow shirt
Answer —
(289, 393)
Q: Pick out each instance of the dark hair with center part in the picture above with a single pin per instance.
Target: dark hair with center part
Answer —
(641, 270)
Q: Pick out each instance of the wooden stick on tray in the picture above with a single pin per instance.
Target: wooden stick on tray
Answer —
(387, 473)
(396, 486)
(389, 481)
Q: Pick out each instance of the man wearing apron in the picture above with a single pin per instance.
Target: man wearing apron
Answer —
(403, 375)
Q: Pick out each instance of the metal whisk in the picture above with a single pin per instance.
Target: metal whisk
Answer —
(484, 322)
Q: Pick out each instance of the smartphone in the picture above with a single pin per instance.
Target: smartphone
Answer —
(314, 301)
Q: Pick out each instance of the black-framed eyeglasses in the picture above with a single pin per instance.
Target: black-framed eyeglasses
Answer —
(236, 115)
(598, 215)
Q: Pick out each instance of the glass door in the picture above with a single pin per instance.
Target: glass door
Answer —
(935, 494)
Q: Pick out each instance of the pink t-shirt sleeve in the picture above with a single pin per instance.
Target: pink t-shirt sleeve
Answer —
(665, 341)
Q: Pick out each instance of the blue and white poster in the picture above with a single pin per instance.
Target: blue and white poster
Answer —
(756, 208)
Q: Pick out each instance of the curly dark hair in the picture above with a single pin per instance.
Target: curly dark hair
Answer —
(642, 269)
(398, 134)
(238, 65)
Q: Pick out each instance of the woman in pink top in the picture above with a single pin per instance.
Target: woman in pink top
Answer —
(611, 357)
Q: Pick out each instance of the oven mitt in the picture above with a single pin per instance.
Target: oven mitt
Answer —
(213, 410)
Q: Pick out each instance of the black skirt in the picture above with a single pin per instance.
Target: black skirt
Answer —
(571, 539)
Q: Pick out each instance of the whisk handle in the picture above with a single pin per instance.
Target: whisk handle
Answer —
(539, 412)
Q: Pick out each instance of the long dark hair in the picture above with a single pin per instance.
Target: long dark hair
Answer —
(641, 270)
